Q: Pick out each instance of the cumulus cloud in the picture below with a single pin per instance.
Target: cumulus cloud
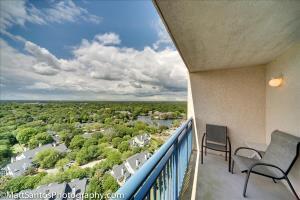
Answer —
(100, 68)
(44, 69)
(42, 55)
(108, 38)
(21, 12)
(164, 39)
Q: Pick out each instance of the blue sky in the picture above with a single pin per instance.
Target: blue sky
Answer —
(87, 50)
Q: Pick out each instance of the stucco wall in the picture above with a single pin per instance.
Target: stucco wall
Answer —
(283, 103)
(231, 97)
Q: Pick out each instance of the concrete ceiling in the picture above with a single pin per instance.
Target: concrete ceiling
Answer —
(226, 34)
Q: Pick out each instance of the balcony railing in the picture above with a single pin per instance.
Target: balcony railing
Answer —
(161, 177)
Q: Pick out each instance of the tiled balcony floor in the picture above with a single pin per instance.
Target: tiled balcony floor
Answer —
(216, 183)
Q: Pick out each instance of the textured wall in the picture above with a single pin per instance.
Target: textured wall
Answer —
(231, 97)
(283, 103)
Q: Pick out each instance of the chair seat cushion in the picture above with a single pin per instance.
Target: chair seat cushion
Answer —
(245, 163)
(214, 146)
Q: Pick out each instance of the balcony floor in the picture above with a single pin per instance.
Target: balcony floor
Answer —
(216, 183)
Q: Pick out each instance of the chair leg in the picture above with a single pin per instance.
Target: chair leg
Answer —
(229, 162)
(232, 166)
(202, 155)
(202, 141)
(292, 188)
(274, 180)
(225, 155)
(246, 183)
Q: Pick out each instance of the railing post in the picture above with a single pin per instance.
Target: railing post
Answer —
(176, 168)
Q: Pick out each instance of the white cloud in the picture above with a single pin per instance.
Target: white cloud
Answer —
(44, 69)
(164, 39)
(40, 85)
(20, 12)
(108, 38)
(16, 13)
(70, 12)
(42, 55)
(98, 70)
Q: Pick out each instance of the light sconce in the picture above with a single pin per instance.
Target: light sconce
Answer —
(276, 82)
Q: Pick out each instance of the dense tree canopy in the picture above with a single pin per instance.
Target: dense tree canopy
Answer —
(93, 131)
(47, 158)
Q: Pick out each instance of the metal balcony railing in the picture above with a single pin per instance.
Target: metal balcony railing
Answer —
(161, 177)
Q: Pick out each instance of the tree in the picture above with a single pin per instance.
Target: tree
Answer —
(86, 154)
(5, 151)
(116, 141)
(90, 142)
(40, 138)
(114, 157)
(62, 163)
(95, 186)
(103, 167)
(124, 146)
(9, 137)
(25, 134)
(47, 158)
(109, 184)
(77, 142)
(23, 182)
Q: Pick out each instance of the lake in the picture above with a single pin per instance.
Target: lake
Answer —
(158, 122)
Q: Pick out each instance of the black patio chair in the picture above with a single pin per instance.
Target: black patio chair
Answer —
(216, 138)
(276, 162)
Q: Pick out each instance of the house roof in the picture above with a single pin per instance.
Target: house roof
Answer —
(140, 157)
(78, 185)
(142, 137)
(19, 167)
(58, 189)
(31, 153)
(117, 172)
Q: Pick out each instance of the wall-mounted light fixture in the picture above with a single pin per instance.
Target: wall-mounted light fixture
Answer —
(276, 82)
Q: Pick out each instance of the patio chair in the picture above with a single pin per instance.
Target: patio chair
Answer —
(276, 163)
(216, 138)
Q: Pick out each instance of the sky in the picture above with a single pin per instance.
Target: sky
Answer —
(87, 50)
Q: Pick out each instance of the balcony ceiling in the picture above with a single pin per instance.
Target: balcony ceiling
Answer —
(226, 34)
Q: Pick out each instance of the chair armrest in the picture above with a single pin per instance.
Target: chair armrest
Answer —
(248, 148)
(267, 165)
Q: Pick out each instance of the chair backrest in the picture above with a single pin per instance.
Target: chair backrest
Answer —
(215, 133)
(282, 151)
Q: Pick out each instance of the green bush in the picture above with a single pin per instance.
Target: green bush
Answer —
(47, 158)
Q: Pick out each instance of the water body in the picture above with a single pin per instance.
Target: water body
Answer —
(157, 122)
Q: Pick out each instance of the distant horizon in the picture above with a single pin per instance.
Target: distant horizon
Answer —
(16, 100)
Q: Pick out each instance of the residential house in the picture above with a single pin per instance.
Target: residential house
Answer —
(59, 191)
(123, 172)
(134, 162)
(24, 161)
(18, 167)
(120, 173)
(140, 140)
